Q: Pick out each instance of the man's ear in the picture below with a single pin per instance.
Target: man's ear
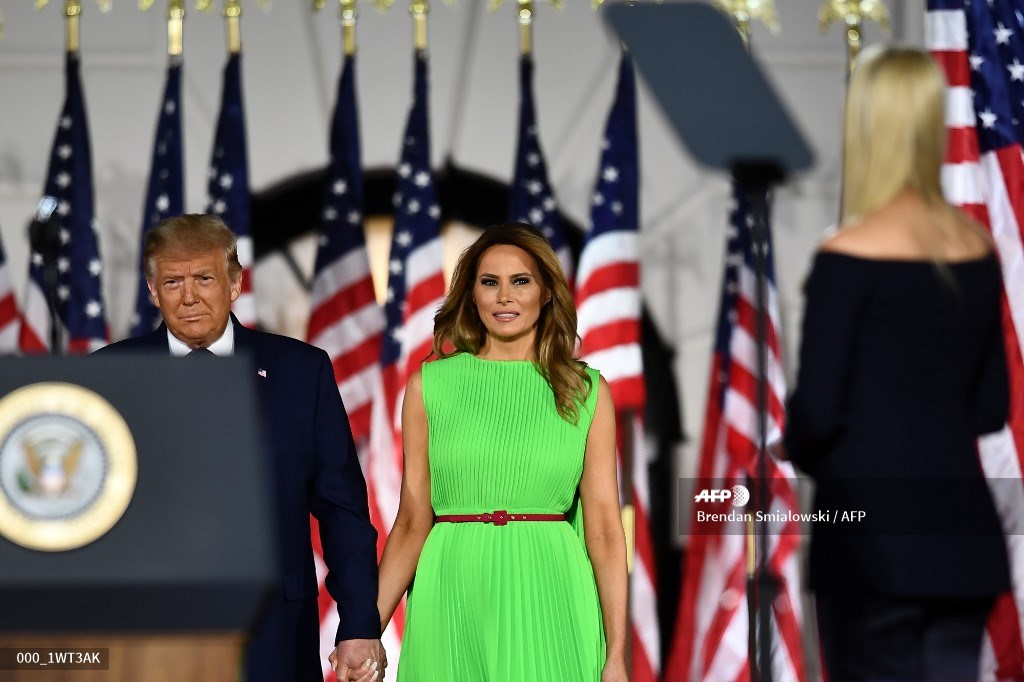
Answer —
(236, 288)
(152, 292)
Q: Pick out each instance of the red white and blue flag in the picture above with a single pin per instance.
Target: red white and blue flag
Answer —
(165, 196)
(415, 282)
(78, 288)
(415, 264)
(228, 182)
(531, 199)
(980, 47)
(10, 320)
(347, 322)
(608, 303)
(712, 627)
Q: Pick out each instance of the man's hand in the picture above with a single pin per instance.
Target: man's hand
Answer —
(359, 660)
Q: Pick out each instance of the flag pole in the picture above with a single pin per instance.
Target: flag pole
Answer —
(525, 14)
(348, 14)
(175, 27)
(526, 27)
(233, 15)
(762, 587)
(72, 12)
(853, 14)
(628, 514)
(419, 10)
(743, 12)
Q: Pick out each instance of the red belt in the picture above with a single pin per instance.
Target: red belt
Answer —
(498, 518)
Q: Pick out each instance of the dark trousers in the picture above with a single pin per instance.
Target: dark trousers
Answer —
(870, 637)
(278, 651)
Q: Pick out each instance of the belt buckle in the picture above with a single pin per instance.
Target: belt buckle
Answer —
(499, 517)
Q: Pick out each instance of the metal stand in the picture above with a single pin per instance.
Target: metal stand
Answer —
(723, 109)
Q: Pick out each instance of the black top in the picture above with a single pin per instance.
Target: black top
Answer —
(902, 366)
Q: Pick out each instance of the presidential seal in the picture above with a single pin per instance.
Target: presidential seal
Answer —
(68, 466)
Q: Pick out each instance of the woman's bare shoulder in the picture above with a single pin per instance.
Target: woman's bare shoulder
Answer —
(975, 233)
(865, 239)
(913, 232)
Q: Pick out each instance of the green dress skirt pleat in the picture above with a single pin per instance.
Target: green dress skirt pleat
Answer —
(512, 603)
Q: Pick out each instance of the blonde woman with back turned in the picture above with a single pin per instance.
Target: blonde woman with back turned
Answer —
(902, 367)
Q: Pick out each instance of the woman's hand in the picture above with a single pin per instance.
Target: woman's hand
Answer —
(614, 670)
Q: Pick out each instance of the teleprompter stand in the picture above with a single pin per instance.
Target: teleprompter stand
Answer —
(722, 108)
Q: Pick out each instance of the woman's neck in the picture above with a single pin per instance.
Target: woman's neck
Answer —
(518, 349)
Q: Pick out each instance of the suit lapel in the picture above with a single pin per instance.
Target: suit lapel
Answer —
(248, 342)
(157, 339)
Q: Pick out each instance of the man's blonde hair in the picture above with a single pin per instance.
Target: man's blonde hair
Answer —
(190, 235)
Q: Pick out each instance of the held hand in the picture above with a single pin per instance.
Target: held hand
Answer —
(359, 660)
(614, 671)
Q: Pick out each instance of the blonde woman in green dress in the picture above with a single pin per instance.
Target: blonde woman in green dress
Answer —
(508, 536)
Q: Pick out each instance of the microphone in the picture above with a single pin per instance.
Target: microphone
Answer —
(43, 231)
(45, 208)
(44, 239)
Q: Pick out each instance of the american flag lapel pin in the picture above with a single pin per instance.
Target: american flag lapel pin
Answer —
(262, 372)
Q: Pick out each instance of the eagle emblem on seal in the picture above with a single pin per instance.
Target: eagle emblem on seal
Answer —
(51, 465)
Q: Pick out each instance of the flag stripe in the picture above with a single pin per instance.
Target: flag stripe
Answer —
(985, 176)
(609, 306)
(712, 625)
(612, 335)
(415, 288)
(348, 324)
(622, 275)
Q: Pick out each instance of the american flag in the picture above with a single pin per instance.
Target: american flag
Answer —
(980, 47)
(228, 185)
(347, 322)
(9, 318)
(415, 277)
(166, 192)
(710, 641)
(531, 199)
(79, 290)
(608, 299)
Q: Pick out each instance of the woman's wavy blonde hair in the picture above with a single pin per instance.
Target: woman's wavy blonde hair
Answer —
(895, 131)
(457, 321)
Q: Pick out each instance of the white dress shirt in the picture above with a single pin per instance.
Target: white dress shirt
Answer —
(223, 347)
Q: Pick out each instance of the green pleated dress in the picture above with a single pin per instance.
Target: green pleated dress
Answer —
(512, 603)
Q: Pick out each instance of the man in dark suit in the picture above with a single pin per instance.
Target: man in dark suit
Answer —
(194, 275)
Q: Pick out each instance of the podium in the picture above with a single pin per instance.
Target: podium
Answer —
(171, 589)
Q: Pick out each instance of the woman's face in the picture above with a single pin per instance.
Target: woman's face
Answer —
(508, 292)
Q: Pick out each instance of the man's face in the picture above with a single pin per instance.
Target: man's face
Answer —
(194, 295)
